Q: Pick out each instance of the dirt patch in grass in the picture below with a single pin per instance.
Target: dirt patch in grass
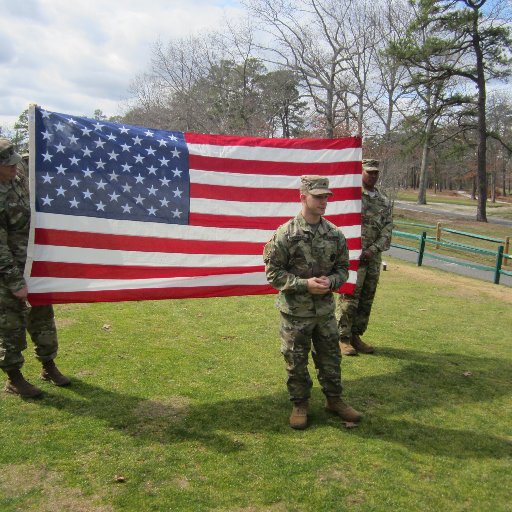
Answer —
(69, 500)
(84, 373)
(64, 322)
(454, 285)
(173, 407)
(276, 507)
(335, 475)
(48, 494)
(181, 483)
(20, 479)
(153, 418)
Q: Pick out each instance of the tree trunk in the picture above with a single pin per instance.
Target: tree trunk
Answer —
(435, 174)
(481, 214)
(504, 178)
(330, 113)
(422, 192)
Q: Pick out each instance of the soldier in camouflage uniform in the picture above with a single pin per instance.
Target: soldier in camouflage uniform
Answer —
(306, 259)
(15, 315)
(353, 311)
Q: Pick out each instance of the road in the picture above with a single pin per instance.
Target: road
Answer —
(449, 210)
(447, 266)
(452, 210)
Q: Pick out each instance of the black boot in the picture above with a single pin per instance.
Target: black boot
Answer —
(17, 385)
(51, 373)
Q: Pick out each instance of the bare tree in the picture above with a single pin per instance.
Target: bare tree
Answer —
(388, 99)
(499, 122)
(306, 36)
(215, 84)
(175, 68)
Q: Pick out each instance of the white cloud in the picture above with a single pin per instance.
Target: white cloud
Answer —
(80, 55)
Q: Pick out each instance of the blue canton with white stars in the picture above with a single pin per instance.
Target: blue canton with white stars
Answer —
(100, 169)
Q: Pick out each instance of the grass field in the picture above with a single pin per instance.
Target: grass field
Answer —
(181, 406)
(501, 208)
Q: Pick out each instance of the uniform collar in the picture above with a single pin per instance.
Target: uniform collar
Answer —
(375, 189)
(307, 227)
(5, 185)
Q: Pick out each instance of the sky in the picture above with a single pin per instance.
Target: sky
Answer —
(76, 56)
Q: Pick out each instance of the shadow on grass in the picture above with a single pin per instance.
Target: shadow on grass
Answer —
(428, 380)
(425, 381)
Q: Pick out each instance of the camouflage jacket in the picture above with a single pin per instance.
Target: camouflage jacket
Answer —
(294, 254)
(377, 222)
(14, 230)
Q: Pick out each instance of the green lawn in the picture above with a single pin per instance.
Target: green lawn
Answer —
(186, 401)
(498, 209)
(412, 195)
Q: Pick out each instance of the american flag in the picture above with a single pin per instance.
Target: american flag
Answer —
(124, 212)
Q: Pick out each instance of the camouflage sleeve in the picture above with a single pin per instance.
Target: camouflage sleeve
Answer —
(340, 269)
(383, 242)
(10, 273)
(276, 257)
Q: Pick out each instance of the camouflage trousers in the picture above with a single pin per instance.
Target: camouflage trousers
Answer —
(353, 311)
(318, 335)
(15, 319)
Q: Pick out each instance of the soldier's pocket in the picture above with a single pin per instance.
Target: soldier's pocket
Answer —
(12, 315)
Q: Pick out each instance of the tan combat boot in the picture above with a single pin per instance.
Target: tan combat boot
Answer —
(299, 415)
(361, 346)
(51, 373)
(346, 348)
(17, 385)
(344, 411)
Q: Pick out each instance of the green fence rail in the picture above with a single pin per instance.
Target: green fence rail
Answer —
(439, 230)
(500, 256)
(473, 235)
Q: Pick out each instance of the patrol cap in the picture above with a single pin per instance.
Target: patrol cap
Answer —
(7, 154)
(315, 185)
(369, 164)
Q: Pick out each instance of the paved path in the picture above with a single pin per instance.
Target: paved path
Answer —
(449, 267)
(449, 210)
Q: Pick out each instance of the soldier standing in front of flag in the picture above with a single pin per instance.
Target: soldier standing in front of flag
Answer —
(15, 316)
(306, 259)
(377, 225)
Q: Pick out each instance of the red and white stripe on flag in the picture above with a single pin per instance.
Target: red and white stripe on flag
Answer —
(241, 190)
